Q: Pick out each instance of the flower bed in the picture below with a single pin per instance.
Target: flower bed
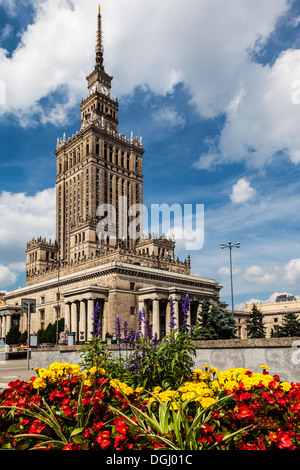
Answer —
(65, 408)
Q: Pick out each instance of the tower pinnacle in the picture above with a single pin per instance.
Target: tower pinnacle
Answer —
(99, 47)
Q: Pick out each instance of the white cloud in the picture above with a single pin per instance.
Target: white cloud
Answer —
(10, 6)
(242, 192)
(169, 117)
(225, 271)
(22, 218)
(7, 277)
(261, 275)
(292, 272)
(270, 299)
(6, 32)
(264, 120)
(203, 43)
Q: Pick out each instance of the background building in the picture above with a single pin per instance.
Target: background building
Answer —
(273, 313)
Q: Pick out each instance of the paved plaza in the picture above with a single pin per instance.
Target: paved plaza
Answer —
(14, 369)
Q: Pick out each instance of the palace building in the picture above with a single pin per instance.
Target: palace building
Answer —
(94, 264)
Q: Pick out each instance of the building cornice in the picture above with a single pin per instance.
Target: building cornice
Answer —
(122, 269)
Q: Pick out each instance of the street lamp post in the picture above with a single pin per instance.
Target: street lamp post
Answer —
(59, 263)
(230, 246)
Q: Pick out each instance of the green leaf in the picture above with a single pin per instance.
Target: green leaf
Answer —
(76, 432)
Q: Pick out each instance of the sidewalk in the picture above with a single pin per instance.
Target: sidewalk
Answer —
(14, 369)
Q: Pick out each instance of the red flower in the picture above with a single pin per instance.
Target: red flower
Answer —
(98, 426)
(206, 432)
(67, 410)
(157, 446)
(283, 439)
(99, 395)
(118, 394)
(245, 413)
(120, 426)
(269, 398)
(37, 427)
(87, 433)
(245, 396)
(119, 441)
(56, 394)
(104, 439)
(72, 446)
(24, 421)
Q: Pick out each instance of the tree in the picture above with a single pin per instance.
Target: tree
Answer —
(202, 329)
(49, 334)
(290, 326)
(13, 335)
(222, 323)
(23, 337)
(254, 326)
(214, 323)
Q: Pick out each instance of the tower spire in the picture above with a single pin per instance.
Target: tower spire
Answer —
(99, 47)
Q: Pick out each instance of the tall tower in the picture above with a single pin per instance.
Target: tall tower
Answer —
(94, 167)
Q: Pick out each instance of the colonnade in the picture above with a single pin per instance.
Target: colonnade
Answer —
(158, 312)
(79, 317)
(5, 324)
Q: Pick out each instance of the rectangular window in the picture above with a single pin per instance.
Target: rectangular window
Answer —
(132, 310)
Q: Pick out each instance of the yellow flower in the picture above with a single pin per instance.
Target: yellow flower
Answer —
(139, 389)
(188, 396)
(286, 386)
(215, 385)
(94, 369)
(207, 401)
(121, 386)
(264, 367)
(44, 373)
(73, 369)
(174, 406)
(152, 399)
(167, 395)
(39, 383)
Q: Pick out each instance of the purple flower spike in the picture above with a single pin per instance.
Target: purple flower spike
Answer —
(97, 324)
(172, 324)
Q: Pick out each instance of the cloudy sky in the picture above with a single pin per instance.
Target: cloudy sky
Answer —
(214, 89)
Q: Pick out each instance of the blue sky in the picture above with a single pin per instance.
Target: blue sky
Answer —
(213, 87)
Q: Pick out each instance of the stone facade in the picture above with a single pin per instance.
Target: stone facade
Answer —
(273, 312)
(124, 274)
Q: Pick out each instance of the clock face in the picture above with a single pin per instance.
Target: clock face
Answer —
(93, 89)
(104, 90)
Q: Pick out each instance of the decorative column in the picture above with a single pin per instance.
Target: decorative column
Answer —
(82, 321)
(155, 317)
(74, 318)
(189, 316)
(4, 326)
(8, 323)
(67, 317)
(142, 307)
(168, 317)
(90, 311)
(104, 320)
(176, 311)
